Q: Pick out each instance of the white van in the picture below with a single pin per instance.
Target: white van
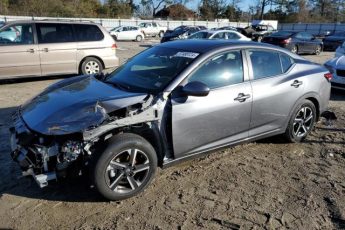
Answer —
(43, 48)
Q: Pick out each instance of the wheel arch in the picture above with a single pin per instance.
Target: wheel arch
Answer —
(313, 97)
(90, 56)
(150, 132)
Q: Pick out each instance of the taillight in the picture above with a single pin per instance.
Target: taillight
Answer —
(286, 41)
(114, 46)
(328, 76)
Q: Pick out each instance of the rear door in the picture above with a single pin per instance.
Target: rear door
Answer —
(57, 48)
(275, 90)
(221, 117)
(19, 54)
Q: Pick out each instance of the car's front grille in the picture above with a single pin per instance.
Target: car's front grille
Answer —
(341, 72)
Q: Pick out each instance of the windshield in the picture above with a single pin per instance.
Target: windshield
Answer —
(282, 34)
(115, 28)
(152, 70)
(199, 35)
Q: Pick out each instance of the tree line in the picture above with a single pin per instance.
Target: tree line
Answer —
(283, 10)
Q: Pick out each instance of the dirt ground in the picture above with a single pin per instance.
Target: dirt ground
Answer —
(263, 185)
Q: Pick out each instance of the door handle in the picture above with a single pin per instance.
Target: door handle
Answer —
(31, 50)
(242, 97)
(46, 50)
(296, 83)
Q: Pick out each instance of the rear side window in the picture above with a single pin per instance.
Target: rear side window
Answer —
(265, 63)
(54, 33)
(286, 61)
(88, 33)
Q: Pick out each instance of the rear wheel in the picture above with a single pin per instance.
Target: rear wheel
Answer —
(318, 50)
(125, 168)
(91, 66)
(301, 122)
(294, 49)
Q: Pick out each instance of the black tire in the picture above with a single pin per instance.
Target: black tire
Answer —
(161, 34)
(259, 39)
(294, 49)
(318, 50)
(139, 38)
(301, 125)
(91, 65)
(108, 168)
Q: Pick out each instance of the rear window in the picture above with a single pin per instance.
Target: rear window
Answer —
(54, 33)
(88, 33)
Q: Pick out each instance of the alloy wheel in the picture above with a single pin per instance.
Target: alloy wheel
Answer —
(303, 122)
(92, 67)
(127, 171)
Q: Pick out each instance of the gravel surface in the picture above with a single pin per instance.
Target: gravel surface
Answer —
(263, 185)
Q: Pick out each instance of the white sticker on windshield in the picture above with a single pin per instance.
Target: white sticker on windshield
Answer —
(186, 54)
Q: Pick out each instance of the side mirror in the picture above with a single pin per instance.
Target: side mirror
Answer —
(196, 88)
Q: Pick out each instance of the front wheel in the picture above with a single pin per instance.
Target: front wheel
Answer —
(318, 50)
(139, 38)
(125, 168)
(161, 34)
(259, 38)
(301, 122)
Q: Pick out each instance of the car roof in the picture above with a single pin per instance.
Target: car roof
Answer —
(204, 46)
(52, 21)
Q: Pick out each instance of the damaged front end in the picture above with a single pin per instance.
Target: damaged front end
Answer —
(45, 157)
(55, 133)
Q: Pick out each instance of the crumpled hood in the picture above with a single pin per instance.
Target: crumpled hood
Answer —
(75, 104)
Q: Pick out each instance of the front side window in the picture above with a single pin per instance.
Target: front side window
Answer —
(54, 33)
(17, 34)
(88, 33)
(222, 70)
(265, 63)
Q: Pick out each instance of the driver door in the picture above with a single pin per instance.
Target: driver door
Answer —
(221, 117)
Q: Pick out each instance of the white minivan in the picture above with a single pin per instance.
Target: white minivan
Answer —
(43, 48)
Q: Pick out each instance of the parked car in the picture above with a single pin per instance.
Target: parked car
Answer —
(332, 42)
(132, 33)
(261, 31)
(340, 51)
(169, 103)
(152, 29)
(296, 42)
(219, 34)
(181, 32)
(44, 48)
(337, 67)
